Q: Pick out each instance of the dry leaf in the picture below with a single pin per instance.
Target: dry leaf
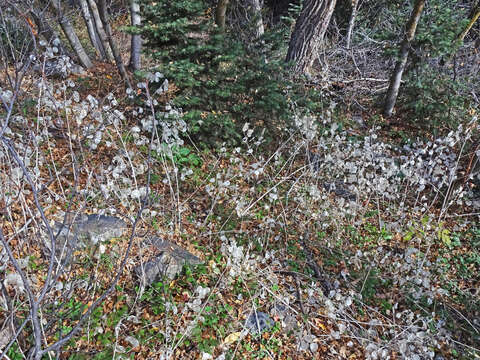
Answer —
(232, 338)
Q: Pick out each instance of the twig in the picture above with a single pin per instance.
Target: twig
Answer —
(359, 79)
(299, 293)
(311, 262)
(294, 273)
(464, 318)
(365, 280)
(314, 266)
(465, 345)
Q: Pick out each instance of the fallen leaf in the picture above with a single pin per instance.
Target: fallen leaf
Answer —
(232, 338)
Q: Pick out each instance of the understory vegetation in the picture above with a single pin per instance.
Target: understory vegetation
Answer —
(358, 235)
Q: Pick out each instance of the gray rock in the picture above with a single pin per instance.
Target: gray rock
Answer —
(90, 229)
(84, 231)
(258, 321)
(168, 263)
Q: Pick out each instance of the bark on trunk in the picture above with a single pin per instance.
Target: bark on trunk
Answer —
(396, 78)
(256, 9)
(45, 30)
(136, 41)
(116, 55)
(100, 29)
(92, 32)
(308, 34)
(220, 12)
(71, 35)
(351, 23)
(475, 15)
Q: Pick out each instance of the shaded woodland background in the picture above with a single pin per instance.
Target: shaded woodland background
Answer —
(239, 179)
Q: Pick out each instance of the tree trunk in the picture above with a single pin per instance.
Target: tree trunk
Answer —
(351, 23)
(92, 32)
(71, 35)
(308, 34)
(220, 12)
(475, 15)
(108, 30)
(257, 16)
(100, 29)
(136, 41)
(45, 30)
(396, 78)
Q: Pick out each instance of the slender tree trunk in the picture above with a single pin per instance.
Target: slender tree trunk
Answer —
(475, 15)
(351, 23)
(100, 29)
(71, 35)
(45, 30)
(136, 41)
(257, 16)
(92, 32)
(308, 34)
(396, 78)
(220, 12)
(113, 46)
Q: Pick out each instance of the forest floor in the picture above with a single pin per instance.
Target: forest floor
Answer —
(341, 274)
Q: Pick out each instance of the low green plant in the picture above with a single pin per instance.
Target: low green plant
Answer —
(370, 285)
(184, 157)
(435, 98)
(14, 352)
(222, 82)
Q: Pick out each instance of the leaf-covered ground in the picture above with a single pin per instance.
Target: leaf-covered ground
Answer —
(345, 240)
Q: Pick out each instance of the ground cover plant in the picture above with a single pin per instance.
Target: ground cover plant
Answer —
(334, 239)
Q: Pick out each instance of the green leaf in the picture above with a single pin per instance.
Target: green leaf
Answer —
(444, 236)
(408, 236)
(425, 220)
